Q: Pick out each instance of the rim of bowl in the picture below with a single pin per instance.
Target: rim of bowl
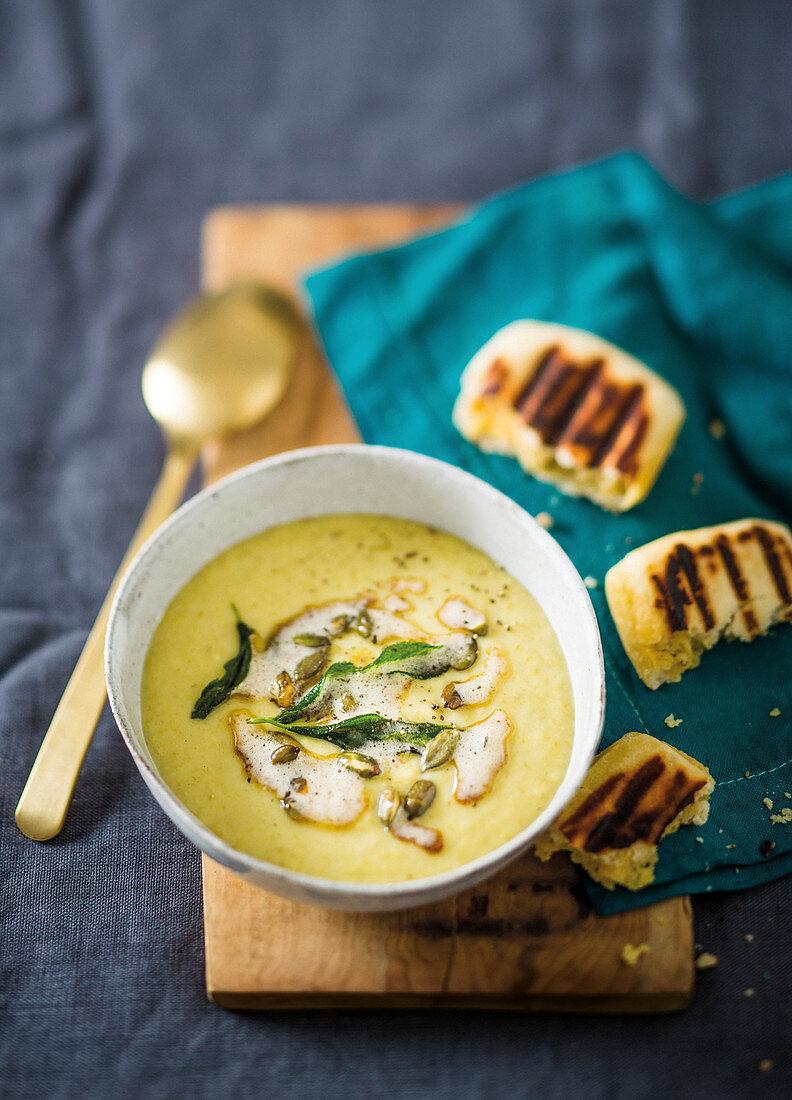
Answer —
(241, 862)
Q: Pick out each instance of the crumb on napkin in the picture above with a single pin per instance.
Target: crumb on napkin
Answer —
(632, 953)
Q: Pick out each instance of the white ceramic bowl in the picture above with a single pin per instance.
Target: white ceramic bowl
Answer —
(324, 480)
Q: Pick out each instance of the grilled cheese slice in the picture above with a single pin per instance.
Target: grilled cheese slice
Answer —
(677, 596)
(573, 409)
(635, 793)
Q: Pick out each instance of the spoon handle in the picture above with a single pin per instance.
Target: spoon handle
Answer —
(42, 808)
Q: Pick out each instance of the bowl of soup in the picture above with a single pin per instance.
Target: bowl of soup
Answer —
(356, 676)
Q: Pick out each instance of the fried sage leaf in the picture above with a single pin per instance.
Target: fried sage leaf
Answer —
(235, 671)
(353, 733)
(409, 659)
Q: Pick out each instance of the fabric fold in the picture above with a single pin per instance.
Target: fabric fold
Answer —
(703, 294)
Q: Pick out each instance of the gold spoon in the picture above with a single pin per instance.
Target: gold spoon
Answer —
(221, 366)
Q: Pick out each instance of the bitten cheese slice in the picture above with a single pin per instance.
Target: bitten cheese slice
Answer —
(675, 597)
(573, 409)
(636, 792)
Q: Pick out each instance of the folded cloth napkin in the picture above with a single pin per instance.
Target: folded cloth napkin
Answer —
(703, 294)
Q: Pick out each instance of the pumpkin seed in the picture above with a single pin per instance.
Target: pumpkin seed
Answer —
(451, 697)
(283, 690)
(286, 750)
(299, 784)
(388, 805)
(360, 764)
(439, 750)
(291, 809)
(363, 624)
(347, 700)
(419, 798)
(339, 625)
(312, 640)
(311, 664)
(468, 657)
(258, 643)
(284, 754)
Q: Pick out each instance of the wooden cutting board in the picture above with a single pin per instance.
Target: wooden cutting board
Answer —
(526, 939)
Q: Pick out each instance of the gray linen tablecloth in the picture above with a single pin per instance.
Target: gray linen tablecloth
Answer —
(121, 123)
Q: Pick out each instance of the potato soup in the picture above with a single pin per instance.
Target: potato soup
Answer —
(358, 697)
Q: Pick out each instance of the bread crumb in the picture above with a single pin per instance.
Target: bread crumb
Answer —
(717, 429)
(695, 488)
(591, 582)
(766, 847)
(775, 712)
(699, 839)
(747, 775)
(544, 519)
(730, 847)
(784, 817)
(749, 937)
(672, 722)
(748, 992)
(630, 954)
(787, 794)
(706, 961)
(768, 802)
(765, 1065)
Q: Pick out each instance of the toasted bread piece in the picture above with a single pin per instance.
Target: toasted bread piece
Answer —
(636, 792)
(573, 409)
(675, 597)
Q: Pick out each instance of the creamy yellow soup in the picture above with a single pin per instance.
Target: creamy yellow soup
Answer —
(416, 572)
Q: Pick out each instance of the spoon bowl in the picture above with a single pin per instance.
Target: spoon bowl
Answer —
(222, 364)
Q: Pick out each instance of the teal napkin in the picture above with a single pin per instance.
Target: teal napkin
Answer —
(703, 294)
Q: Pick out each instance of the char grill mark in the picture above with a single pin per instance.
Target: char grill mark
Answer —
(579, 407)
(675, 595)
(551, 397)
(628, 459)
(751, 622)
(776, 566)
(591, 804)
(629, 807)
(621, 447)
(497, 374)
(537, 379)
(687, 563)
(738, 582)
(680, 584)
(671, 597)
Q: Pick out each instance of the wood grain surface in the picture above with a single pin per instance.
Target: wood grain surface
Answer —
(526, 939)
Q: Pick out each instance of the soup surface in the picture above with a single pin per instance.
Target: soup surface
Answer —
(470, 685)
